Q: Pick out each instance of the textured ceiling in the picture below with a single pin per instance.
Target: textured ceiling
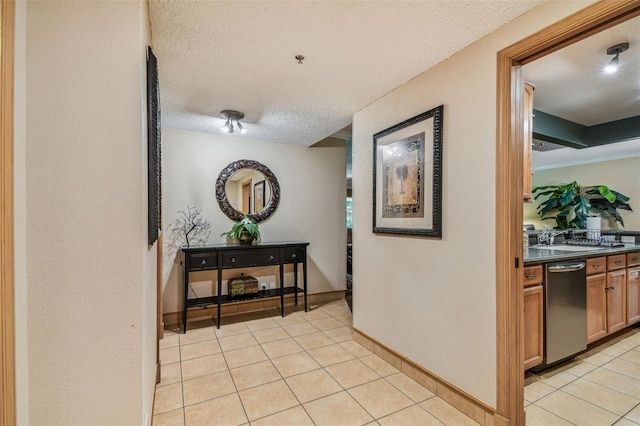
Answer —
(216, 55)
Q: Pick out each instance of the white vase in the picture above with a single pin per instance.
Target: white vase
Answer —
(594, 224)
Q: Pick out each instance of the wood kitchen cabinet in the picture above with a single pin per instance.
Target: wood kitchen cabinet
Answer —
(606, 296)
(596, 307)
(633, 288)
(616, 300)
(533, 317)
(528, 140)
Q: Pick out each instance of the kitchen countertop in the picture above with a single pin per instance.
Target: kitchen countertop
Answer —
(534, 255)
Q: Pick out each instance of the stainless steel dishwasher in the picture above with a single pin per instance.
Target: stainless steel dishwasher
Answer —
(565, 310)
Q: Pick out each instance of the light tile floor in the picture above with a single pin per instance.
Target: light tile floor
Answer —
(303, 369)
(599, 387)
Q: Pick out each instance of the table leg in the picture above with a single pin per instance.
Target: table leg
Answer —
(185, 294)
(282, 289)
(295, 282)
(304, 279)
(219, 296)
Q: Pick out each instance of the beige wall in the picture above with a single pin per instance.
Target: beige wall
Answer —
(87, 297)
(312, 202)
(620, 175)
(434, 300)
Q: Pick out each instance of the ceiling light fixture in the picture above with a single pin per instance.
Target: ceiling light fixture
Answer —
(232, 116)
(616, 50)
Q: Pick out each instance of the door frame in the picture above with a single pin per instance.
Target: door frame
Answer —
(509, 166)
(7, 302)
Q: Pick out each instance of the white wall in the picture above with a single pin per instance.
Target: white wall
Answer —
(434, 300)
(620, 175)
(90, 298)
(312, 201)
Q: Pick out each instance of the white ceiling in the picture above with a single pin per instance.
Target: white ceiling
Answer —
(216, 55)
(571, 84)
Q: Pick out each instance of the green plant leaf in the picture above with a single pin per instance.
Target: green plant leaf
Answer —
(620, 197)
(605, 192)
(572, 204)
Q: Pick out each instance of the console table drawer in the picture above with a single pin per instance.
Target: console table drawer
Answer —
(293, 254)
(238, 259)
(202, 261)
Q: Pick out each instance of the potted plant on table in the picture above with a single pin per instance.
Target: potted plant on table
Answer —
(570, 204)
(245, 231)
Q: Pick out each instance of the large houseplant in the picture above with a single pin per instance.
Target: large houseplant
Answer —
(245, 231)
(570, 204)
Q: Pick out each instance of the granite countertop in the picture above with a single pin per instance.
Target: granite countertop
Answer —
(534, 255)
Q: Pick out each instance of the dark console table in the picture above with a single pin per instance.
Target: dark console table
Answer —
(220, 257)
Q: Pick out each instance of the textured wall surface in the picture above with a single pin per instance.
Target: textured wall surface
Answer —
(434, 301)
(91, 299)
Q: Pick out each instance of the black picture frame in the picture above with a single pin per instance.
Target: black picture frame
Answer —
(153, 149)
(407, 177)
(259, 196)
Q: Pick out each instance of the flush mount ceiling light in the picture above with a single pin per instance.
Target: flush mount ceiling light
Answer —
(616, 49)
(233, 116)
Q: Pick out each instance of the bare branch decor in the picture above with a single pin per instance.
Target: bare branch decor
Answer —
(190, 227)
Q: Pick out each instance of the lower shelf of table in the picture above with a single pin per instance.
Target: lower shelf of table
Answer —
(202, 302)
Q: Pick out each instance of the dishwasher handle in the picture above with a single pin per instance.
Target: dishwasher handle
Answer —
(569, 267)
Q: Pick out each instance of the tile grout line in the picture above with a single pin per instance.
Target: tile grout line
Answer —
(625, 414)
(602, 366)
(338, 341)
(285, 379)
(554, 414)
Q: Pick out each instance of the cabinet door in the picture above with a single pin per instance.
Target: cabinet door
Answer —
(528, 139)
(616, 300)
(633, 295)
(596, 307)
(533, 326)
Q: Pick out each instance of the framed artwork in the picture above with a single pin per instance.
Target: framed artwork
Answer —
(407, 177)
(258, 196)
(153, 149)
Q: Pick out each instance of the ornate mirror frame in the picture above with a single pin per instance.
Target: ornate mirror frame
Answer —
(221, 194)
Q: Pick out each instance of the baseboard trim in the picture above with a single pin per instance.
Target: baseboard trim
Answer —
(475, 409)
(172, 320)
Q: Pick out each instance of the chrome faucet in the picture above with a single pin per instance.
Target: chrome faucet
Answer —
(547, 236)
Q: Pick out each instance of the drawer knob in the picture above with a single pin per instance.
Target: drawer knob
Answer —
(293, 255)
(233, 260)
(203, 262)
(270, 257)
(530, 276)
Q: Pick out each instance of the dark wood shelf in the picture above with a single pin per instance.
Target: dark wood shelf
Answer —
(203, 302)
(223, 257)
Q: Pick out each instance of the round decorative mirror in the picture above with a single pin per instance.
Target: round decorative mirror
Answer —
(247, 187)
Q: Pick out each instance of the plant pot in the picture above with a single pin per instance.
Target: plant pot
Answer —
(245, 238)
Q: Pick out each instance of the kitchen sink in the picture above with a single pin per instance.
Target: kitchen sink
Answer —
(563, 247)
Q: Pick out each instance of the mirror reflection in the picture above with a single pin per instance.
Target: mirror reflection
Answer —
(247, 187)
(248, 191)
